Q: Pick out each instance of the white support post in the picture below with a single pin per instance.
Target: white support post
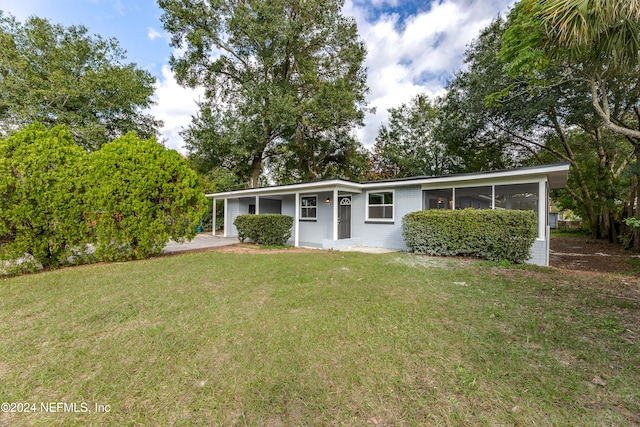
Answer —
(296, 222)
(335, 214)
(493, 197)
(542, 209)
(224, 219)
(257, 205)
(453, 199)
(213, 229)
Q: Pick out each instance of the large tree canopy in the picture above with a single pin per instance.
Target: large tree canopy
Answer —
(588, 48)
(57, 75)
(596, 42)
(525, 97)
(284, 84)
(406, 145)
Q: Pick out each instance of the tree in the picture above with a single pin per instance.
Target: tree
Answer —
(592, 44)
(494, 118)
(57, 75)
(407, 144)
(142, 195)
(597, 40)
(42, 198)
(284, 80)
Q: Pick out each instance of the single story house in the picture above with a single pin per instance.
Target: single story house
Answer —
(337, 213)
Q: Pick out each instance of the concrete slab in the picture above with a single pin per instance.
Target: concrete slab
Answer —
(201, 241)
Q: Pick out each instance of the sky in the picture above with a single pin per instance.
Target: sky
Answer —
(414, 46)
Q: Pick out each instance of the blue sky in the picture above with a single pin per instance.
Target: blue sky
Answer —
(414, 46)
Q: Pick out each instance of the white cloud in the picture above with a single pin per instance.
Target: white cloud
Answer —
(153, 34)
(174, 106)
(410, 57)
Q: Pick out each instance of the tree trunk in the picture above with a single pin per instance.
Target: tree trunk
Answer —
(635, 237)
(256, 169)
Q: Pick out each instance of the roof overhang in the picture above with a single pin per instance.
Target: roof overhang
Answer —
(556, 175)
(330, 185)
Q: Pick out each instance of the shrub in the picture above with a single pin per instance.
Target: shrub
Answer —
(43, 219)
(268, 229)
(142, 196)
(489, 234)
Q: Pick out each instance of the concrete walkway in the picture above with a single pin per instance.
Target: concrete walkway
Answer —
(201, 241)
(207, 240)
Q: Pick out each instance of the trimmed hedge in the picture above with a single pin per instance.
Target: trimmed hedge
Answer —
(267, 229)
(494, 235)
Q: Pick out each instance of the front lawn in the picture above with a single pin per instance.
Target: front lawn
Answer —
(319, 338)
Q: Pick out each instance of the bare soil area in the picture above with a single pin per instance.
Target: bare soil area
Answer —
(585, 254)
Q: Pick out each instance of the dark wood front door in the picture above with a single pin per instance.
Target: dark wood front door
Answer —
(344, 217)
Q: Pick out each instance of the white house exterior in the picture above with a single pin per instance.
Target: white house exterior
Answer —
(336, 213)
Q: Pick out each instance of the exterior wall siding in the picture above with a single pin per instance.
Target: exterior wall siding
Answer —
(233, 206)
(384, 235)
(288, 208)
(270, 206)
(539, 253)
(312, 233)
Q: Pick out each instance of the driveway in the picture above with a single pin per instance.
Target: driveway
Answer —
(201, 241)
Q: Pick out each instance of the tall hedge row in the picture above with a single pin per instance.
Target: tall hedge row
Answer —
(268, 229)
(61, 205)
(489, 234)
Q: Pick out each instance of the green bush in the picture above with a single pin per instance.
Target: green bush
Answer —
(489, 234)
(127, 199)
(267, 229)
(43, 219)
(142, 196)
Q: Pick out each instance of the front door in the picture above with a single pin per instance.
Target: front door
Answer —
(344, 217)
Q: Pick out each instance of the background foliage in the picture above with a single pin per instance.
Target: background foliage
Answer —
(284, 82)
(62, 75)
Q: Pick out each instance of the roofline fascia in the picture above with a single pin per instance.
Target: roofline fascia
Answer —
(534, 171)
(292, 188)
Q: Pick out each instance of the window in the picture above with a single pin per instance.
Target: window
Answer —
(308, 207)
(518, 196)
(438, 199)
(380, 206)
(473, 197)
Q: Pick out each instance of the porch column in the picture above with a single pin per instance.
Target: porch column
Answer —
(493, 197)
(453, 198)
(213, 229)
(335, 214)
(542, 209)
(257, 205)
(224, 219)
(296, 221)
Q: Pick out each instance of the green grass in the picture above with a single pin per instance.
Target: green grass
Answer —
(321, 338)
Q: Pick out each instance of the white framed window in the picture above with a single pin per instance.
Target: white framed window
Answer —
(308, 207)
(380, 205)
